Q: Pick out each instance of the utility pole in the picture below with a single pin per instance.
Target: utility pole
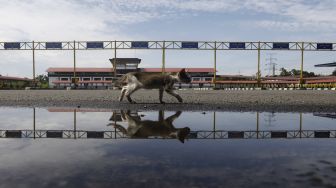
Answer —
(271, 65)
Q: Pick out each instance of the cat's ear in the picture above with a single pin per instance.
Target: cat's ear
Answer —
(182, 70)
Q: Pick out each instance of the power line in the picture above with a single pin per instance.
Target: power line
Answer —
(270, 64)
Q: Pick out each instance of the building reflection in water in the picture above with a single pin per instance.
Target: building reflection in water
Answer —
(129, 124)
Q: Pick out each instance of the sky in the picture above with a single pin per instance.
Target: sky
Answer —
(181, 20)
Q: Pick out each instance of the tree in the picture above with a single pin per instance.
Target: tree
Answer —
(42, 78)
(284, 72)
(296, 72)
(42, 81)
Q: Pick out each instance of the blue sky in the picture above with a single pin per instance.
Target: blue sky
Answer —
(195, 20)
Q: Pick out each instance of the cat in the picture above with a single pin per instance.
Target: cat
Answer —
(133, 81)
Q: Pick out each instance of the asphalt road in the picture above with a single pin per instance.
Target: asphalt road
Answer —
(219, 100)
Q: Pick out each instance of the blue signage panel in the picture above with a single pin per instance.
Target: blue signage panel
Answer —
(237, 45)
(12, 45)
(281, 45)
(94, 45)
(138, 44)
(51, 45)
(325, 46)
(189, 44)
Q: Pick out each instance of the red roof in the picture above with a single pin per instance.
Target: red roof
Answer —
(57, 109)
(321, 78)
(83, 82)
(178, 69)
(236, 82)
(14, 78)
(87, 69)
(321, 81)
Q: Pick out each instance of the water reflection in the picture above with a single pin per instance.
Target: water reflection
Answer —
(91, 154)
(134, 124)
(163, 127)
(326, 115)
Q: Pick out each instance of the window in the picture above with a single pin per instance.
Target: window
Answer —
(64, 79)
(108, 79)
(196, 79)
(208, 79)
(86, 79)
(97, 79)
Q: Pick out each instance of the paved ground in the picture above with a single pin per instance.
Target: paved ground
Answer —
(302, 101)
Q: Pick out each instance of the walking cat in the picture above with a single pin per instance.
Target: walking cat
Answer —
(133, 81)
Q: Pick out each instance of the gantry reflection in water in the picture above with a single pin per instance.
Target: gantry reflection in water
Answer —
(162, 125)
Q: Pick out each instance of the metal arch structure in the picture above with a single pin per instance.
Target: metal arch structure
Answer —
(256, 133)
(170, 45)
(201, 134)
(176, 45)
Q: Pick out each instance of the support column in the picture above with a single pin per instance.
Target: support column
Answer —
(115, 123)
(214, 125)
(300, 124)
(75, 123)
(163, 58)
(258, 72)
(301, 69)
(74, 64)
(215, 64)
(257, 125)
(34, 123)
(34, 78)
(115, 60)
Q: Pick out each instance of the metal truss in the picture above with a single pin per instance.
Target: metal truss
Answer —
(82, 134)
(176, 45)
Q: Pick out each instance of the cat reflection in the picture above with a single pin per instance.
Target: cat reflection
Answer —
(164, 127)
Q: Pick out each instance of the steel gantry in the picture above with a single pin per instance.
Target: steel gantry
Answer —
(200, 134)
(213, 133)
(170, 45)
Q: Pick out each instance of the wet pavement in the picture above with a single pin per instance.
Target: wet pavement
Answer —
(81, 147)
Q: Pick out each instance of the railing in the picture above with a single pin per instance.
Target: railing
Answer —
(202, 134)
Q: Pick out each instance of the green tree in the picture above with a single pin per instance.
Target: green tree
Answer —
(296, 72)
(284, 72)
(42, 81)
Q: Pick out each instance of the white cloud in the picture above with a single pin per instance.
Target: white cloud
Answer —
(52, 20)
(296, 14)
(101, 20)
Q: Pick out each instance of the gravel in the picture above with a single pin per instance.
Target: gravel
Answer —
(194, 100)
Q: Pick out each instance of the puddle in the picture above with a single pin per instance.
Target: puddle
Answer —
(64, 147)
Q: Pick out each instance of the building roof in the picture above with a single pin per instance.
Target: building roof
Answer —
(60, 109)
(87, 69)
(14, 78)
(83, 82)
(68, 69)
(326, 65)
(126, 60)
(178, 69)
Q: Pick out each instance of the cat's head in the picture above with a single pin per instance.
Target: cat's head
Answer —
(184, 76)
(183, 133)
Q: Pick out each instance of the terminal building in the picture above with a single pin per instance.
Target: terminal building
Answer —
(10, 82)
(102, 78)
